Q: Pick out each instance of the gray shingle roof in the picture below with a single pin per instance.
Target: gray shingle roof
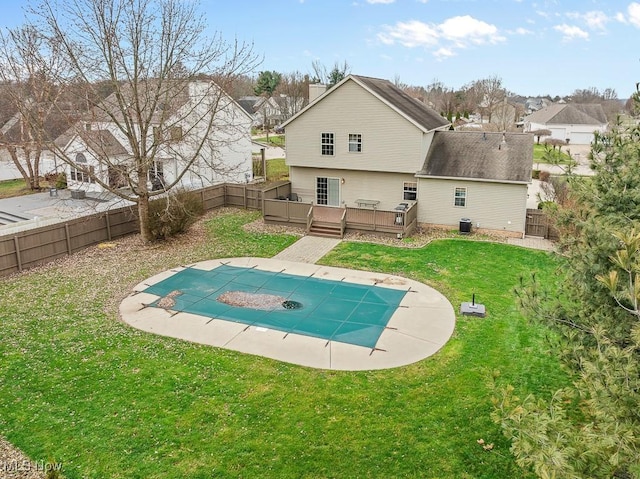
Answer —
(570, 113)
(480, 155)
(426, 117)
(103, 142)
(417, 112)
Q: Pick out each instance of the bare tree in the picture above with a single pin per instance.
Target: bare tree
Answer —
(292, 95)
(30, 62)
(330, 77)
(539, 133)
(490, 94)
(167, 79)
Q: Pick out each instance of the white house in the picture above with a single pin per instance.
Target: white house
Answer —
(574, 123)
(365, 143)
(181, 139)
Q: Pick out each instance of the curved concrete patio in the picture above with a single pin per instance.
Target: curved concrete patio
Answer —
(420, 326)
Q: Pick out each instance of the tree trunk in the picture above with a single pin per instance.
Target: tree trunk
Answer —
(143, 218)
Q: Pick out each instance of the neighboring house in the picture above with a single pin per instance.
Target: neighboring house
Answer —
(367, 143)
(535, 104)
(14, 143)
(574, 123)
(265, 112)
(102, 149)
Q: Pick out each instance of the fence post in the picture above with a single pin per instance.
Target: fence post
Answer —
(204, 208)
(17, 243)
(66, 233)
(106, 217)
(244, 196)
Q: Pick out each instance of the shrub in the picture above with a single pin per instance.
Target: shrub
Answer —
(174, 213)
(61, 181)
(544, 175)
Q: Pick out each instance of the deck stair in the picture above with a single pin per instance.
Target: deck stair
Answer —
(325, 229)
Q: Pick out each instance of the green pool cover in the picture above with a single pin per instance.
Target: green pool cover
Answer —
(332, 310)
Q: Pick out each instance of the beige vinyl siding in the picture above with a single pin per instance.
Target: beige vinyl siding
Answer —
(387, 188)
(495, 206)
(390, 142)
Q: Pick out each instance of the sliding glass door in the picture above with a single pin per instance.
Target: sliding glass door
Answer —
(328, 191)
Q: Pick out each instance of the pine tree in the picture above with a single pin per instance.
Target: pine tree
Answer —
(590, 429)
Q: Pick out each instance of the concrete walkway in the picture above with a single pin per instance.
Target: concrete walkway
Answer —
(308, 249)
(532, 242)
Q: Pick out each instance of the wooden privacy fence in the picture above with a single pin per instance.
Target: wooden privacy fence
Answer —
(23, 250)
(537, 224)
(36, 246)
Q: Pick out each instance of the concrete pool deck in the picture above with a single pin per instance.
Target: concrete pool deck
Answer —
(422, 324)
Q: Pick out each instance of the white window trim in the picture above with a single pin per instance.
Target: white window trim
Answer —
(356, 143)
(466, 196)
(333, 143)
(404, 190)
(339, 191)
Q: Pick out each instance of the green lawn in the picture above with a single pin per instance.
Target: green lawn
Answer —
(108, 401)
(10, 188)
(277, 169)
(540, 155)
(274, 140)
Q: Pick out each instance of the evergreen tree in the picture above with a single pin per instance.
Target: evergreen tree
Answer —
(591, 428)
(267, 83)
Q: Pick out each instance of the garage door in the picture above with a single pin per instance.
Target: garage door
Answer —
(581, 138)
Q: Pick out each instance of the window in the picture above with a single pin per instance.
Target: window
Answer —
(327, 144)
(355, 143)
(156, 171)
(460, 197)
(410, 191)
(328, 191)
(84, 173)
(175, 133)
(322, 191)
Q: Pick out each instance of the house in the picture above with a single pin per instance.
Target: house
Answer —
(366, 144)
(266, 112)
(574, 123)
(16, 143)
(184, 146)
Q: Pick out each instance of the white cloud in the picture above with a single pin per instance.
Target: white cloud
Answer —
(380, 1)
(462, 30)
(595, 20)
(442, 53)
(454, 33)
(634, 13)
(522, 31)
(571, 32)
(410, 34)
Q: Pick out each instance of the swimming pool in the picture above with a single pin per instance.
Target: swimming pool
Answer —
(328, 309)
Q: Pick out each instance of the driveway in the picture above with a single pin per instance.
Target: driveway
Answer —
(579, 152)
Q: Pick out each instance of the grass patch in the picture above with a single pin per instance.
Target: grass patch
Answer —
(11, 188)
(277, 169)
(540, 155)
(274, 140)
(82, 388)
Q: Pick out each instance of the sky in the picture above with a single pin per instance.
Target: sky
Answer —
(536, 47)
